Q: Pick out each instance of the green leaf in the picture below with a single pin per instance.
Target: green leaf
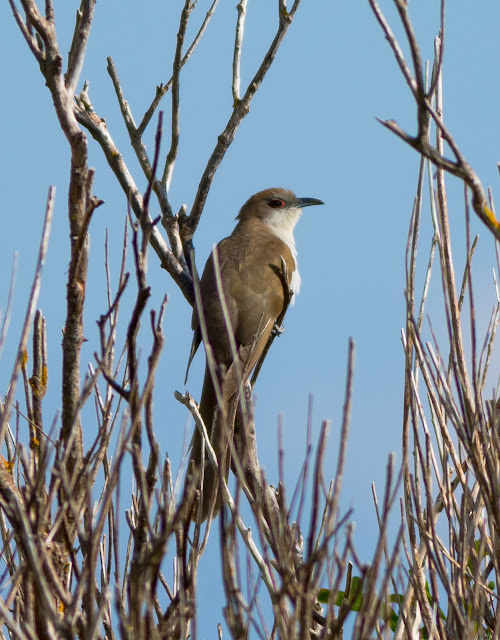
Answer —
(355, 595)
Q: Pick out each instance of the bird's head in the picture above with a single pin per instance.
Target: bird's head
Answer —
(279, 208)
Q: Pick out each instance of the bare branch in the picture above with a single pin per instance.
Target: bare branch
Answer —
(177, 66)
(98, 129)
(459, 167)
(238, 39)
(78, 47)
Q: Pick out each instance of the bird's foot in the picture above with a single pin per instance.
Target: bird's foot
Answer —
(277, 329)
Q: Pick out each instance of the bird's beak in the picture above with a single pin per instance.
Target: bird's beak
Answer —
(307, 202)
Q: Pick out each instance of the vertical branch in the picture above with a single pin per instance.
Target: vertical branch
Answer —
(78, 47)
(409, 355)
(236, 607)
(81, 206)
(447, 261)
(344, 431)
(177, 65)
(38, 383)
(241, 7)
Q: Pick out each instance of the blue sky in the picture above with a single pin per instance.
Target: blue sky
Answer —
(311, 128)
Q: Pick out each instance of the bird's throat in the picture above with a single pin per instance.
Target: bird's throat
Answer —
(282, 224)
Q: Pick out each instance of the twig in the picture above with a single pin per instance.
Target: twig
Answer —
(176, 66)
(30, 311)
(8, 308)
(458, 167)
(78, 47)
(241, 7)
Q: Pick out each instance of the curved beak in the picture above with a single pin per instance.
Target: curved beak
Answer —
(308, 202)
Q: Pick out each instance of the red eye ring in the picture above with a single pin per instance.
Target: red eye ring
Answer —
(277, 203)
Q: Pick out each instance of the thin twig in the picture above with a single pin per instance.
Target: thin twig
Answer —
(241, 7)
(176, 70)
(30, 311)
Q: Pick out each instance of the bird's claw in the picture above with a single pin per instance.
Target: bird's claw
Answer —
(277, 329)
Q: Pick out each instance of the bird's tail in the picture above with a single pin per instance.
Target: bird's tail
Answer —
(217, 421)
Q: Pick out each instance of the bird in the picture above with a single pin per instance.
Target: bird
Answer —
(241, 286)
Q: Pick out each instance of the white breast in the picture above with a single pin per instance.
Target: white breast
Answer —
(283, 223)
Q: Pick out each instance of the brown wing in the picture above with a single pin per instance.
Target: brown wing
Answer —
(250, 270)
(213, 311)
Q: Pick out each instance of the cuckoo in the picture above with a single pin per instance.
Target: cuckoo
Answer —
(242, 294)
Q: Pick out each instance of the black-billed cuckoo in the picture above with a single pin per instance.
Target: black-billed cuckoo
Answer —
(249, 264)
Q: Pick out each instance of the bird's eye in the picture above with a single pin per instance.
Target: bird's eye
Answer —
(276, 203)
